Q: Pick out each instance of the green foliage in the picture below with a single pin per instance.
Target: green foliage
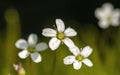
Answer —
(105, 56)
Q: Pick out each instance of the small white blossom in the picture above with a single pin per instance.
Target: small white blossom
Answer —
(78, 57)
(107, 16)
(59, 35)
(19, 69)
(31, 48)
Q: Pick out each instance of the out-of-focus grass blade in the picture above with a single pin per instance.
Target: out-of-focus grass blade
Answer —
(12, 34)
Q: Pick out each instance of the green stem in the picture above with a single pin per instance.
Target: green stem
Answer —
(54, 64)
(29, 67)
(31, 72)
(106, 49)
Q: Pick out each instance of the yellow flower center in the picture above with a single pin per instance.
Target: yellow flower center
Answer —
(31, 49)
(61, 36)
(79, 58)
(109, 18)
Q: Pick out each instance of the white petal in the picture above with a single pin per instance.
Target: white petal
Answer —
(99, 13)
(115, 22)
(75, 50)
(107, 8)
(68, 42)
(69, 60)
(16, 66)
(36, 57)
(54, 43)
(104, 24)
(77, 65)
(86, 51)
(116, 13)
(60, 25)
(23, 54)
(116, 17)
(32, 39)
(41, 46)
(21, 43)
(48, 32)
(107, 5)
(87, 62)
(70, 32)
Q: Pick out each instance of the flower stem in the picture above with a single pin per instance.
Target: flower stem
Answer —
(29, 71)
(54, 64)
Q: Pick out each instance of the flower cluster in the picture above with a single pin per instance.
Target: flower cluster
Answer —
(60, 35)
(107, 16)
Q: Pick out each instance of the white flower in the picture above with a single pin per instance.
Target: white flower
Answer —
(31, 48)
(19, 69)
(107, 16)
(59, 35)
(78, 57)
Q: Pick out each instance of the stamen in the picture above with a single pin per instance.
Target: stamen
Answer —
(61, 36)
(31, 49)
(79, 58)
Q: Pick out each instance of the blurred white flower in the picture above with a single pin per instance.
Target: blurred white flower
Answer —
(107, 16)
(31, 48)
(19, 69)
(59, 35)
(78, 57)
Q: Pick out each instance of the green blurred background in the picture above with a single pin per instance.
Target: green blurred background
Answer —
(20, 18)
